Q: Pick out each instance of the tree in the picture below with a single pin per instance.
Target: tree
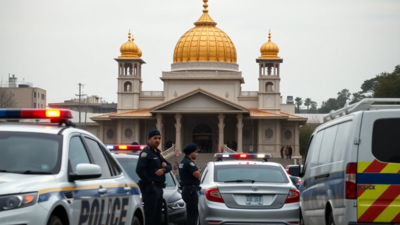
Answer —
(342, 98)
(299, 102)
(307, 103)
(305, 134)
(369, 85)
(6, 98)
(328, 106)
(314, 107)
(388, 84)
(358, 96)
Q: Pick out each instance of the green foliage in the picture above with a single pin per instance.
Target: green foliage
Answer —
(305, 134)
(299, 102)
(369, 85)
(329, 105)
(307, 103)
(388, 84)
(358, 96)
(342, 97)
(314, 107)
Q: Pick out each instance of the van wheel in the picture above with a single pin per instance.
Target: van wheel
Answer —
(330, 220)
(135, 221)
(54, 220)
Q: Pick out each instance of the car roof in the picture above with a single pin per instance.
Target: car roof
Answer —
(31, 128)
(241, 162)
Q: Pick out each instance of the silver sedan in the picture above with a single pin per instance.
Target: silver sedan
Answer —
(247, 191)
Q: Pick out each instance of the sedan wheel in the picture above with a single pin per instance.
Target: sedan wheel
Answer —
(54, 220)
(198, 220)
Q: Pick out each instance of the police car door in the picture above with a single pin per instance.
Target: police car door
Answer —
(378, 171)
(118, 188)
(87, 197)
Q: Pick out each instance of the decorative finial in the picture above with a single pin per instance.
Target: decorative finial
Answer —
(129, 35)
(205, 6)
(269, 35)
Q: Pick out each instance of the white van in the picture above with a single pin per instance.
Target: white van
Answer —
(351, 173)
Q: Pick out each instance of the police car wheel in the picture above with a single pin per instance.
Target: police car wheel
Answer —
(135, 221)
(330, 220)
(54, 220)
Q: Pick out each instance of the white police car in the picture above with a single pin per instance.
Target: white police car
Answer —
(59, 175)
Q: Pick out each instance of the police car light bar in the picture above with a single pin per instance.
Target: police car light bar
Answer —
(242, 156)
(126, 147)
(59, 114)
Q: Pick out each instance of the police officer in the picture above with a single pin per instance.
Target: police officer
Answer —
(151, 168)
(190, 181)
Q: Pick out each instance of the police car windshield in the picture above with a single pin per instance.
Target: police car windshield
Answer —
(256, 173)
(30, 153)
(129, 165)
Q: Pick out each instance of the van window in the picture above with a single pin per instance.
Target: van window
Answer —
(327, 145)
(308, 154)
(342, 140)
(316, 149)
(386, 140)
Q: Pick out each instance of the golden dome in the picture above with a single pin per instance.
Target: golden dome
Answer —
(269, 50)
(129, 50)
(205, 42)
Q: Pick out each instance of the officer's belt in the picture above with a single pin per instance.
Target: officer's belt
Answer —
(160, 184)
(190, 186)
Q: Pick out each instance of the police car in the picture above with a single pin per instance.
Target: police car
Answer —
(247, 191)
(351, 173)
(59, 175)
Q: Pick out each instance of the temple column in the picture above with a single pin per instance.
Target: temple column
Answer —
(239, 133)
(136, 134)
(296, 147)
(178, 126)
(101, 131)
(278, 138)
(221, 127)
(259, 137)
(159, 126)
(118, 137)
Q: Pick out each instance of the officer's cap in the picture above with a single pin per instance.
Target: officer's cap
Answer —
(135, 143)
(190, 148)
(153, 133)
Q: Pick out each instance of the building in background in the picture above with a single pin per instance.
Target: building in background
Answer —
(25, 95)
(90, 104)
(202, 100)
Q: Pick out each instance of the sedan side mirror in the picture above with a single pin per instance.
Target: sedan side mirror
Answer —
(85, 171)
(295, 171)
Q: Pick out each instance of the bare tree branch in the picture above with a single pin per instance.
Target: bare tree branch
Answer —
(7, 99)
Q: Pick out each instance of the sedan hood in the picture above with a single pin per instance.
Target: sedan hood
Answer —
(11, 183)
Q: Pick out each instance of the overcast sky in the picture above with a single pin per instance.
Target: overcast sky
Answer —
(326, 45)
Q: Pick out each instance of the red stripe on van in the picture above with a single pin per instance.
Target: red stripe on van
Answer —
(375, 167)
(359, 192)
(396, 219)
(380, 204)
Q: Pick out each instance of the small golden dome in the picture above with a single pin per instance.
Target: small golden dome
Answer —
(205, 42)
(269, 50)
(129, 50)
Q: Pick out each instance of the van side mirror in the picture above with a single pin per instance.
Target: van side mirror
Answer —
(295, 171)
(85, 171)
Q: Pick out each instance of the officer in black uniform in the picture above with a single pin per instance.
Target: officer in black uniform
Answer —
(190, 181)
(151, 168)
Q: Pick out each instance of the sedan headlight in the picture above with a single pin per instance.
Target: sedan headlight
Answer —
(180, 204)
(17, 201)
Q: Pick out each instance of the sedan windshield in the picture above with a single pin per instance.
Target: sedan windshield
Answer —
(129, 165)
(30, 153)
(249, 173)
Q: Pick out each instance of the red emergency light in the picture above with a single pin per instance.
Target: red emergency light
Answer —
(61, 114)
(221, 156)
(126, 147)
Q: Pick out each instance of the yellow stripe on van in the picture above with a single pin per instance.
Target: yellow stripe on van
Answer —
(369, 197)
(391, 168)
(390, 212)
(361, 166)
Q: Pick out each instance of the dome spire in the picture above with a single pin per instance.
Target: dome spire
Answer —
(269, 50)
(129, 50)
(205, 19)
